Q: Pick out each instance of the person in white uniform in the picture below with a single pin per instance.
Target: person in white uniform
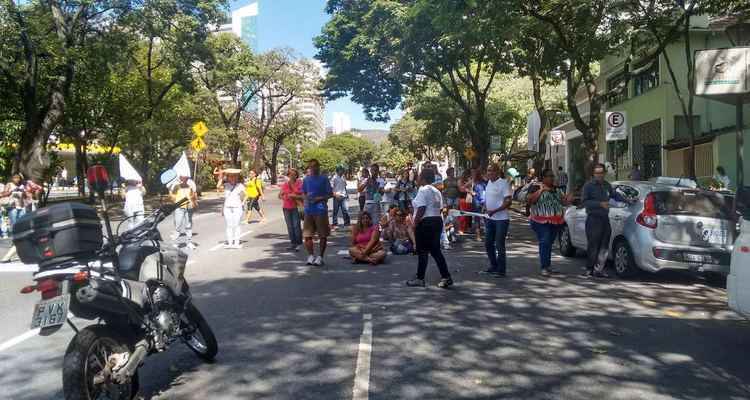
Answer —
(134, 209)
(234, 197)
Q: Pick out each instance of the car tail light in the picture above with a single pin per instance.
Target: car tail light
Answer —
(648, 217)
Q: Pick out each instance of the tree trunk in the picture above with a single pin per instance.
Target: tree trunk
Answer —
(536, 84)
(274, 164)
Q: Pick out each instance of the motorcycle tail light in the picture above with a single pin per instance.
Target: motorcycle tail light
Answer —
(49, 288)
(81, 277)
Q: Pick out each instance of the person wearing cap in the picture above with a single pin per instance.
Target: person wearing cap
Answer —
(234, 196)
(183, 215)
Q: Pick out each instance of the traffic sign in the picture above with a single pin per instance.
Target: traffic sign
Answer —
(557, 138)
(200, 129)
(617, 127)
(198, 144)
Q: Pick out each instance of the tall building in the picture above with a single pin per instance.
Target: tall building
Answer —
(310, 104)
(243, 22)
(341, 123)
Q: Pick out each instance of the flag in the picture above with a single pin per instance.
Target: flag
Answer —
(182, 168)
(127, 172)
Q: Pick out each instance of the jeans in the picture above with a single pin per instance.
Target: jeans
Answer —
(293, 225)
(494, 243)
(183, 222)
(340, 204)
(598, 233)
(375, 212)
(546, 234)
(14, 214)
(427, 234)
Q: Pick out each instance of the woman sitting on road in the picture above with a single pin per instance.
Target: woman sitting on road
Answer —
(400, 232)
(366, 247)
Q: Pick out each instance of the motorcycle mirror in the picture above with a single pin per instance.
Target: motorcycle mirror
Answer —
(168, 176)
(98, 178)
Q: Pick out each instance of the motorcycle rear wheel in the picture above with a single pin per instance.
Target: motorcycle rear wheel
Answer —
(200, 337)
(86, 356)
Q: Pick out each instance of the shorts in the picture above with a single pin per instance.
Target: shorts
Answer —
(316, 225)
(253, 202)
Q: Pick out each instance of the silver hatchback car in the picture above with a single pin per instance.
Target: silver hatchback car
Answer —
(664, 227)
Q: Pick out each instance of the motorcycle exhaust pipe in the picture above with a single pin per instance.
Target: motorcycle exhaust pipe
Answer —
(94, 298)
(134, 361)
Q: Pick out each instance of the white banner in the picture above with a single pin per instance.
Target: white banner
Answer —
(617, 127)
(127, 171)
(182, 167)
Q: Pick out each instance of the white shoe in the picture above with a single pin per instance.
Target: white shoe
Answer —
(237, 246)
(311, 260)
(318, 261)
(227, 245)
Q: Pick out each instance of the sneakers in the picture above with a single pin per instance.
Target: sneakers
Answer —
(237, 246)
(546, 272)
(311, 260)
(492, 272)
(587, 274)
(445, 283)
(416, 282)
(318, 262)
(594, 274)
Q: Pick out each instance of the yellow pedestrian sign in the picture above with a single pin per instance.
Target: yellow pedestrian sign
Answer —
(198, 144)
(200, 129)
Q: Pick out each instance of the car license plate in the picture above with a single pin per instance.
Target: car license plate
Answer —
(50, 312)
(694, 258)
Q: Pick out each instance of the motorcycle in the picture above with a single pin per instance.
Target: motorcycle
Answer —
(137, 293)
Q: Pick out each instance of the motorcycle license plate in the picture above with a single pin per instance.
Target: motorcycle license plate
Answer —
(51, 312)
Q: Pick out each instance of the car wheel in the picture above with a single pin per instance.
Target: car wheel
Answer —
(623, 260)
(566, 244)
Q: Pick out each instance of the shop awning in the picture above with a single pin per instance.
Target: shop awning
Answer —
(523, 155)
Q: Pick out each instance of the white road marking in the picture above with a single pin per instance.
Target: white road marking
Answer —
(220, 245)
(18, 267)
(19, 339)
(362, 373)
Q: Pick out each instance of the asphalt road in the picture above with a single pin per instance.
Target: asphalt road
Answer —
(289, 331)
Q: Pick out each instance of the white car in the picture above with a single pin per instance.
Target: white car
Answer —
(738, 281)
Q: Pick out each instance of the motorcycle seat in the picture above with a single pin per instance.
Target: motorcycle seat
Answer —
(131, 260)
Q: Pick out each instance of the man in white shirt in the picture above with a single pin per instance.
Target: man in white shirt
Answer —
(498, 197)
(428, 223)
(338, 183)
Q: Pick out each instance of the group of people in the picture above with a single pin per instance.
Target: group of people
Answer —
(17, 197)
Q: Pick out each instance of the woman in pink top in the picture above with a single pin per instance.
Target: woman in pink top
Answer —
(291, 196)
(366, 246)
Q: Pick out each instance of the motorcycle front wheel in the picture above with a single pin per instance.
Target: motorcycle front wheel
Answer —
(197, 334)
(86, 356)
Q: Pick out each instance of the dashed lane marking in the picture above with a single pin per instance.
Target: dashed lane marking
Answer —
(362, 373)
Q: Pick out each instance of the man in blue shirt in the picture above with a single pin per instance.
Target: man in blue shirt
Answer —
(316, 190)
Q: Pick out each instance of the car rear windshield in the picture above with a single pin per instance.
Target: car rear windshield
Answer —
(694, 203)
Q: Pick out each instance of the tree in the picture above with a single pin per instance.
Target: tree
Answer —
(40, 47)
(393, 158)
(356, 152)
(584, 32)
(290, 127)
(380, 50)
(329, 158)
(293, 80)
(233, 77)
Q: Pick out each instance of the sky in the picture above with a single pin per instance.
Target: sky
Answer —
(294, 24)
